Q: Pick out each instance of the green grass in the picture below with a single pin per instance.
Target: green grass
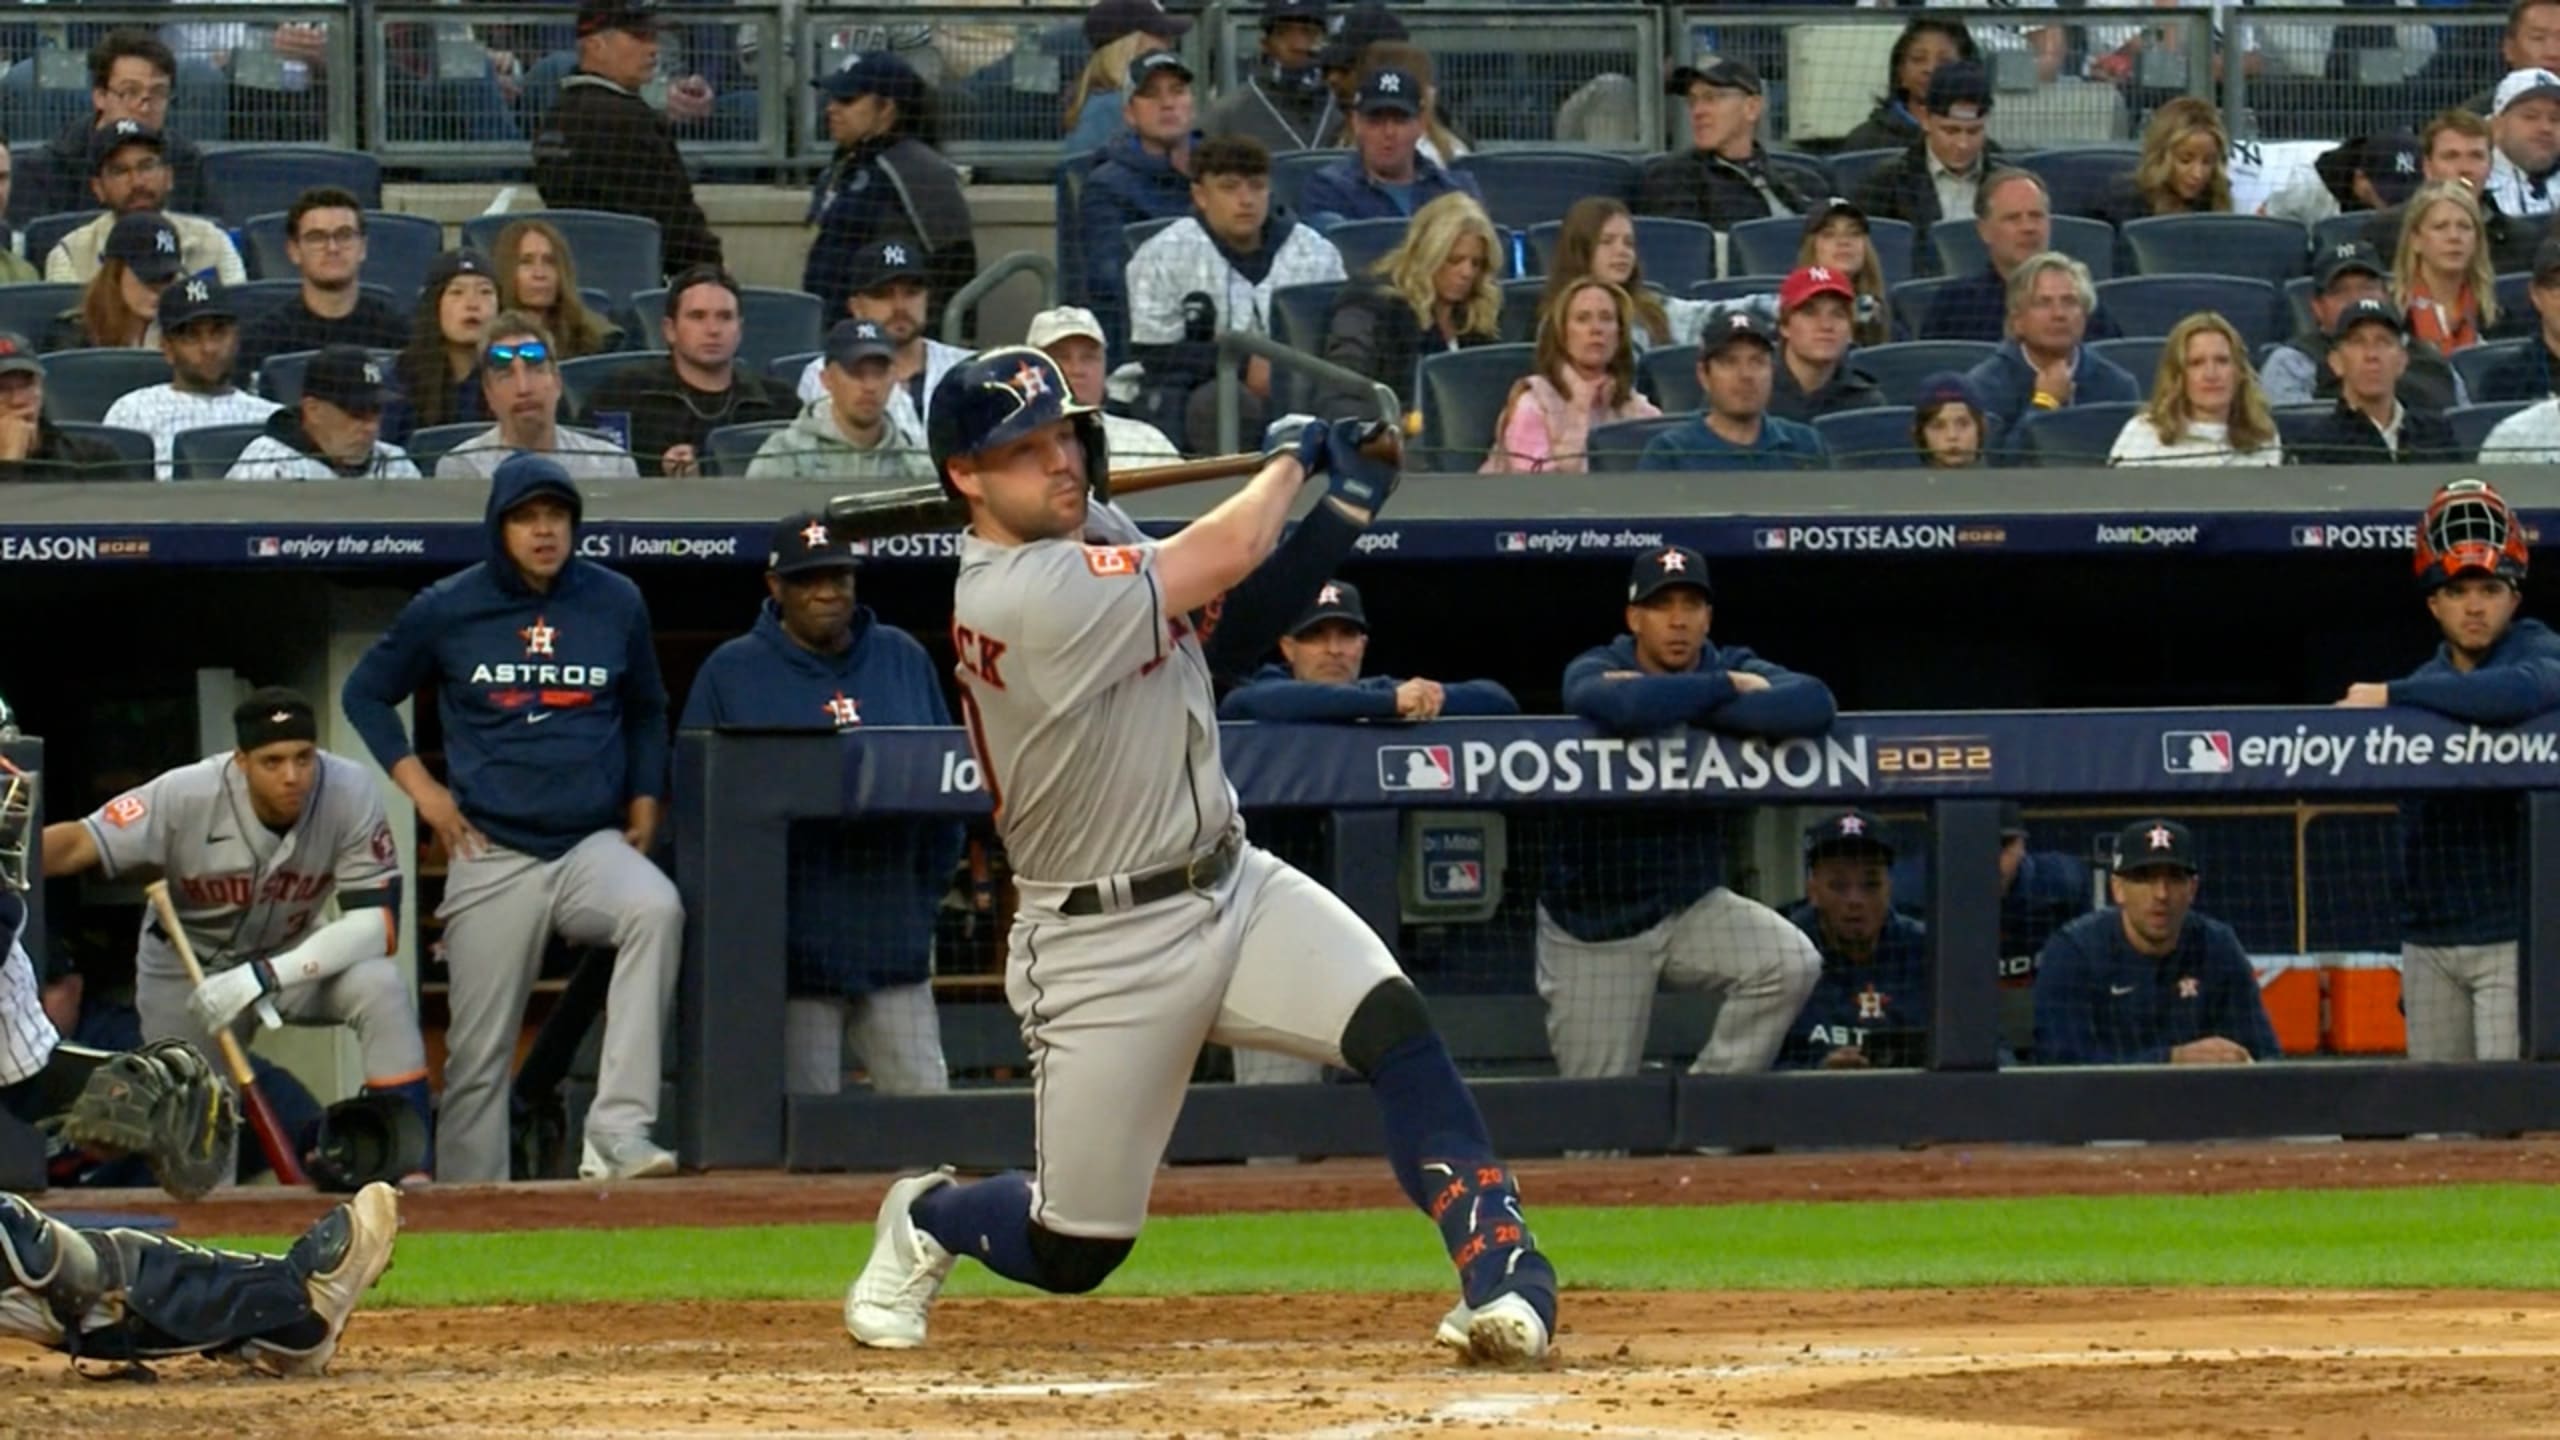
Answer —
(2488, 1236)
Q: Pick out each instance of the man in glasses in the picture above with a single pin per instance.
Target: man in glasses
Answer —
(520, 377)
(128, 175)
(324, 238)
(132, 76)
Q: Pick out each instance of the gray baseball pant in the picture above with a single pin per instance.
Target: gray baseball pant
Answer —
(2461, 1001)
(1599, 994)
(895, 1030)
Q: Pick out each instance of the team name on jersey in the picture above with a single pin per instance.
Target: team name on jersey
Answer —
(286, 887)
(516, 674)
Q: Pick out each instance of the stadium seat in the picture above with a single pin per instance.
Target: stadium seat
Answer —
(1876, 439)
(1139, 232)
(1806, 172)
(1911, 299)
(1461, 394)
(2472, 424)
(1300, 316)
(1364, 242)
(617, 254)
(1521, 300)
(2254, 246)
(2154, 304)
(2473, 363)
(1618, 446)
(2340, 229)
(1290, 169)
(280, 378)
(1734, 287)
(1672, 254)
(397, 250)
(249, 180)
(139, 453)
(1524, 187)
(2137, 355)
(1670, 377)
(30, 309)
(81, 384)
(38, 236)
(429, 445)
(1899, 369)
(2515, 298)
(787, 368)
(207, 452)
(2297, 424)
(2297, 303)
(732, 446)
(2091, 242)
(580, 378)
(773, 322)
(1850, 168)
(2076, 178)
(1770, 246)
(2079, 435)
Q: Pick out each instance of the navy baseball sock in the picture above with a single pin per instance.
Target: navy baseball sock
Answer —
(987, 1220)
(1442, 1156)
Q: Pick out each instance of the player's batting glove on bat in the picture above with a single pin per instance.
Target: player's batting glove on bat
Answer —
(1356, 477)
(1301, 438)
(223, 995)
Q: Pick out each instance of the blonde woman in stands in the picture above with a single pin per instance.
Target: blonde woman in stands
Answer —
(1432, 294)
(538, 276)
(2441, 274)
(2206, 407)
(1599, 242)
(2184, 168)
(1586, 378)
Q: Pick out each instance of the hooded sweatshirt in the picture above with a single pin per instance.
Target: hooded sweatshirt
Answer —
(554, 714)
(899, 867)
(2462, 853)
(813, 447)
(287, 452)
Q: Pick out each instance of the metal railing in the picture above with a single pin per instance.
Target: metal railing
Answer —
(247, 74)
(1237, 345)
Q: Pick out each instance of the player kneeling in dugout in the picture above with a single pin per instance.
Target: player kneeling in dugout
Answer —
(1871, 1006)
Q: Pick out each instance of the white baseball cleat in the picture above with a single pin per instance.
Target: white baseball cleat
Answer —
(346, 1252)
(1505, 1330)
(1453, 1327)
(625, 1157)
(886, 1306)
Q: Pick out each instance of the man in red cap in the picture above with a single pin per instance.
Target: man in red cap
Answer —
(1813, 376)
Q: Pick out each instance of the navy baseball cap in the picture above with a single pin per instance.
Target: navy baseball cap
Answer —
(877, 72)
(106, 140)
(2369, 311)
(1664, 566)
(1721, 72)
(1733, 325)
(1108, 20)
(1281, 12)
(853, 341)
(1833, 209)
(1352, 32)
(1395, 92)
(198, 297)
(1959, 90)
(1846, 832)
(882, 261)
(1948, 387)
(347, 377)
(1335, 600)
(638, 16)
(803, 544)
(2346, 256)
(452, 265)
(2154, 844)
(1153, 63)
(147, 244)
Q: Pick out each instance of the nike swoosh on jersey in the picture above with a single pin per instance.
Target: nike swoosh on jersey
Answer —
(2119, 989)
(539, 716)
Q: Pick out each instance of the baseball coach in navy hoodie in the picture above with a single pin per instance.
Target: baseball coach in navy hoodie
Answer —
(555, 742)
(817, 661)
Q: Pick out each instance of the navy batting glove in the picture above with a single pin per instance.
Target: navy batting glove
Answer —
(1358, 478)
(1301, 437)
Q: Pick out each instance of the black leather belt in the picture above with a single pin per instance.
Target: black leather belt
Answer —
(1204, 871)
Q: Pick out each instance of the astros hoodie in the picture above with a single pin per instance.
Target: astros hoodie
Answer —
(554, 713)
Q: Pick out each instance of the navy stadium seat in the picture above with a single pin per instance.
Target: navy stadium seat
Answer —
(617, 254)
(397, 250)
(2077, 435)
(1620, 444)
(2297, 304)
(37, 237)
(2076, 178)
(1734, 287)
(787, 368)
(2154, 304)
(2473, 363)
(1364, 243)
(2136, 355)
(1301, 315)
(1669, 375)
(2472, 424)
(1461, 394)
(1873, 439)
(2340, 229)
(1911, 299)
(1671, 254)
(208, 452)
(1899, 369)
(137, 454)
(580, 378)
(732, 446)
(2253, 246)
(1290, 169)
(2297, 424)
(1521, 300)
(30, 309)
(248, 180)
(1806, 172)
(1524, 187)
(1850, 168)
(81, 384)
(1066, 193)
(427, 446)
(1139, 232)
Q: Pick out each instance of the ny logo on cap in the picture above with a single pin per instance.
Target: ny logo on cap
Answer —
(165, 242)
(278, 717)
(372, 373)
(2404, 163)
(814, 534)
(1329, 595)
(1852, 825)
(2159, 837)
(197, 293)
(895, 254)
(1818, 275)
(1673, 560)
(1391, 83)
(865, 330)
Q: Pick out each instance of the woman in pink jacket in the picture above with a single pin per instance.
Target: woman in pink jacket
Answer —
(1586, 378)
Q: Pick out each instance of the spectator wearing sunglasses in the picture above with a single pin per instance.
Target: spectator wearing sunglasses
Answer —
(520, 380)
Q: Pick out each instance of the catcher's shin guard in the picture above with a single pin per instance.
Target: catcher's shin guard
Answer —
(49, 1277)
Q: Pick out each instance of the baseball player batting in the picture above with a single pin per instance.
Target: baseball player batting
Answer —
(1147, 924)
(254, 843)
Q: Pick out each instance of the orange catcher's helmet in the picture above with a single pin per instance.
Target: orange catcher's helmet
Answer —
(2468, 530)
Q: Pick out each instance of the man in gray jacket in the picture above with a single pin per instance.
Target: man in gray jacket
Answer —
(845, 434)
(1284, 103)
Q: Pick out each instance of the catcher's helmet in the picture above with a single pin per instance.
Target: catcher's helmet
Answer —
(18, 789)
(369, 1137)
(998, 396)
(2468, 530)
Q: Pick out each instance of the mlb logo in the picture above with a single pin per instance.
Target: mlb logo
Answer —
(2310, 537)
(1773, 539)
(1453, 880)
(1511, 542)
(265, 547)
(2196, 752)
(1416, 767)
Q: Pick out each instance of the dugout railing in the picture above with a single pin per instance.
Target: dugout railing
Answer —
(738, 794)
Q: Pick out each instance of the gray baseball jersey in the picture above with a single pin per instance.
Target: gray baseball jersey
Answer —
(1077, 689)
(242, 890)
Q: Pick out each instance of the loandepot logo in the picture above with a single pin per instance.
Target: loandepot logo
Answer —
(1644, 765)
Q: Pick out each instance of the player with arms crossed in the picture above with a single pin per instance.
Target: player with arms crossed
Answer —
(1147, 924)
(253, 843)
(2462, 853)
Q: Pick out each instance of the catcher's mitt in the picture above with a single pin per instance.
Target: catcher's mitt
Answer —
(165, 1104)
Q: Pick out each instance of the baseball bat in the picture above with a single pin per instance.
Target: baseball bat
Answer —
(272, 1141)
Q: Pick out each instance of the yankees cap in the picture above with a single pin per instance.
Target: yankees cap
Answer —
(2154, 844)
(877, 72)
(882, 261)
(347, 377)
(1153, 63)
(147, 244)
(2348, 257)
(197, 297)
(106, 140)
(1350, 34)
(1720, 72)
(802, 545)
(1335, 600)
(1846, 832)
(2369, 311)
(1111, 19)
(1664, 566)
(1390, 91)
(853, 341)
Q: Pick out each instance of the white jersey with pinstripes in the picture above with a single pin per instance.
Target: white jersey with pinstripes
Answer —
(242, 890)
(27, 1036)
(1089, 707)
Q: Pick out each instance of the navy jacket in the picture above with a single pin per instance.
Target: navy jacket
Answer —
(1889, 991)
(1345, 191)
(554, 714)
(2462, 855)
(1615, 873)
(2051, 891)
(862, 895)
(2099, 1001)
(1977, 308)
(885, 187)
(2007, 383)
(1131, 184)
(1273, 693)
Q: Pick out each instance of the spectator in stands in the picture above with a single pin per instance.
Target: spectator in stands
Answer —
(2184, 169)
(1319, 677)
(520, 380)
(1815, 375)
(1586, 378)
(1735, 431)
(432, 379)
(1635, 899)
(2365, 173)
(1440, 144)
(1284, 102)
(817, 660)
(2045, 362)
(32, 447)
(1345, 56)
(1119, 31)
(2015, 220)
(1070, 335)
(132, 76)
(1837, 238)
(1212, 272)
(603, 148)
(127, 176)
(2534, 373)
(200, 334)
(2531, 42)
(324, 240)
(2455, 147)
(1725, 177)
(886, 180)
(15, 269)
(890, 291)
(120, 305)
(2371, 426)
(1948, 424)
(2441, 276)
(1923, 46)
(1385, 175)
(2297, 372)
(334, 432)
(2206, 408)
(668, 413)
(1870, 1006)
(846, 434)
(2524, 127)
(1430, 295)
(2531, 436)
(1599, 240)
(1145, 174)
(1940, 172)
(2146, 980)
(538, 275)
